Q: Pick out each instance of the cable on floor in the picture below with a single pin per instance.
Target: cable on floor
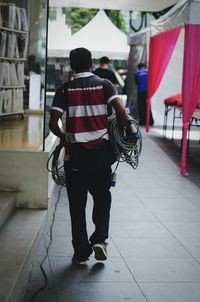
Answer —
(47, 250)
(56, 169)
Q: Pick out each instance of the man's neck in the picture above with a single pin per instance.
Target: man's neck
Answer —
(104, 66)
(83, 74)
(81, 71)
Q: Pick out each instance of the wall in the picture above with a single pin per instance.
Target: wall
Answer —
(26, 173)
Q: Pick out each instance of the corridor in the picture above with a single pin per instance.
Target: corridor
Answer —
(154, 243)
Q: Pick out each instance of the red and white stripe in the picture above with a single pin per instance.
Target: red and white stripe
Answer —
(87, 114)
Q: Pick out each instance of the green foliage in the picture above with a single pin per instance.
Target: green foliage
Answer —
(118, 19)
(52, 14)
(79, 17)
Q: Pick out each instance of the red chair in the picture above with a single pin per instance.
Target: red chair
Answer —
(171, 102)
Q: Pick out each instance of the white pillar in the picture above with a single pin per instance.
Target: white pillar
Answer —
(34, 91)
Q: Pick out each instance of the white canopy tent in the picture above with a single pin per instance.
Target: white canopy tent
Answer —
(100, 30)
(142, 5)
(100, 36)
(59, 36)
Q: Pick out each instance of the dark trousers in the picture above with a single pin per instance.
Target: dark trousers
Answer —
(142, 99)
(89, 170)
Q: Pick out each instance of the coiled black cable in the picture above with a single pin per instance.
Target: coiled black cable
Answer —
(56, 169)
(127, 143)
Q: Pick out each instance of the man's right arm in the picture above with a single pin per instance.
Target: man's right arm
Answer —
(115, 102)
(54, 127)
(57, 109)
(120, 111)
(53, 123)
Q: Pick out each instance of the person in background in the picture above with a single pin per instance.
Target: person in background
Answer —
(33, 65)
(104, 71)
(141, 80)
(88, 169)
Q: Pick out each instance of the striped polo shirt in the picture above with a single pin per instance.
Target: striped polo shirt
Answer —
(85, 99)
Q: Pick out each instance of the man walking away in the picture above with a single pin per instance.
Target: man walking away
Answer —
(88, 169)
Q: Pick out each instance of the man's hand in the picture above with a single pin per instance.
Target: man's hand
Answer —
(63, 140)
(121, 120)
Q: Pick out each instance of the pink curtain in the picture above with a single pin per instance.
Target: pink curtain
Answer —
(190, 83)
(161, 48)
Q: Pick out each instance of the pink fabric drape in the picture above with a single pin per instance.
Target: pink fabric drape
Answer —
(160, 51)
(190, 83)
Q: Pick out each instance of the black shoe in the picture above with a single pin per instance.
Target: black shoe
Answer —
(100, 251)
(79, 261)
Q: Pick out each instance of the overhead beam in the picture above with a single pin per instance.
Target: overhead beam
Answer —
(141, 5)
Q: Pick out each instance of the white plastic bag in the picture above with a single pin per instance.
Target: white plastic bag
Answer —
(3, 38)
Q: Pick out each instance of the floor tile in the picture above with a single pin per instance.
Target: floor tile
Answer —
(112, 270)
(184, 230)
(192, 245)
(48, 294)
(138, 229)
(171, 204)
(60, 228)
(36, 272)
(158, 192)
(101, 291)
(130, 214)
(173, 215)
(150, 247)
(173, 292)
(60, 246)
(164, 269)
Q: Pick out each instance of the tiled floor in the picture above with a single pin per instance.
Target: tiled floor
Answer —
(26, 134)
(154, 244)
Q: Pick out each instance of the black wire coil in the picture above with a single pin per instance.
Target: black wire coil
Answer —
(127, 145)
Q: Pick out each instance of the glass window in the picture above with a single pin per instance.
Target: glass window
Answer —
(23, 27)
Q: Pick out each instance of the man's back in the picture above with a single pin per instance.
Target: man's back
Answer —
(106, 73)
(88, 168)
(141, 76)
(86, 99)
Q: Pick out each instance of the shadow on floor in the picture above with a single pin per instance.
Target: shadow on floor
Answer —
(173, 149)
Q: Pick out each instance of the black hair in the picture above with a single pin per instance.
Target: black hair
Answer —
(32, 58)
(140, 65)
(80, 59)
(104, 60)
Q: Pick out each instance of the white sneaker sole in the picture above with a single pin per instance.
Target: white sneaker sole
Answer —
(100, 253)
(81, 263)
